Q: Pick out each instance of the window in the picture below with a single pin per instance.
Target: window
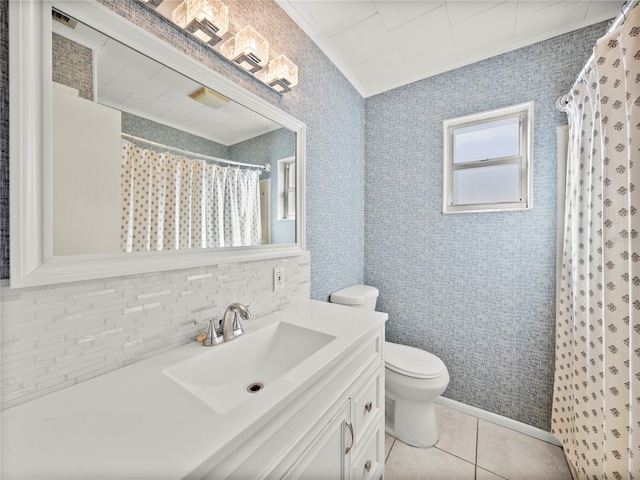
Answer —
(487, 160)
(287, 189)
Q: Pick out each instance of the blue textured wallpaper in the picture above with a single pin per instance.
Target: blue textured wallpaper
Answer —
(478, 290)
(324, 99)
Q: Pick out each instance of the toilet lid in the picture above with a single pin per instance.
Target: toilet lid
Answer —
(412, 362)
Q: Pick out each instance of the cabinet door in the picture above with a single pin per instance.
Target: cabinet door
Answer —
(328, 457)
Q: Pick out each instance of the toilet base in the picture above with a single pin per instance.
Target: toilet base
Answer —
(412, 422)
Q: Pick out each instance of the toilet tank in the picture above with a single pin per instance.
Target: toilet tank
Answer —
(360, 296)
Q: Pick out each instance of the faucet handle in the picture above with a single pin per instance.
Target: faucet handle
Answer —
(237, 324)
(240, 311)
(213, 336)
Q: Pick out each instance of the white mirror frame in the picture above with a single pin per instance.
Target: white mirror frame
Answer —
(30, 87)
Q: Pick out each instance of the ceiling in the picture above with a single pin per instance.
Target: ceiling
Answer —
(131, 82)
(381, 45)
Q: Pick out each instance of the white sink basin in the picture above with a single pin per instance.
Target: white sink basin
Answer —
(225, 375)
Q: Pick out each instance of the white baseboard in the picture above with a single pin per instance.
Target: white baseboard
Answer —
(500, 420)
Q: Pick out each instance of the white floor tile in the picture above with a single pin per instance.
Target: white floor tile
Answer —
(513, 455)
(482, 474)
(411, 463)
(469, 448)
(457, 433)
(388, 443)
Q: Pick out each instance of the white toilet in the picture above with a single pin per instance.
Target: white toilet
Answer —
(414, 378)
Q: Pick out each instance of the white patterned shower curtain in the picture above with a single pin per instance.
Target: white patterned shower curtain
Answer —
(171, 202)
(596, 404)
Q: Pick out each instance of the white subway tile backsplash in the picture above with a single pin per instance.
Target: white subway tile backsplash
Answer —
(90, 293)
(127, 311)
(133, 343)
(22, 395)
(160, 293)
(56, 336)
(49, 299)
(57, 383)
(27, 368)
(15, 350)
(149, 306)
(96, 336)
(199, 277)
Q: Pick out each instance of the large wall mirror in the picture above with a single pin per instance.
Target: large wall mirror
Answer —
(128, 156)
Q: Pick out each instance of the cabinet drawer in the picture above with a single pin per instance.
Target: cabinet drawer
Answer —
(368, 462)
(367, 404)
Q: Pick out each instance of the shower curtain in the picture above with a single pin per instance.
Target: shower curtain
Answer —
(171, 202)
(596, 404)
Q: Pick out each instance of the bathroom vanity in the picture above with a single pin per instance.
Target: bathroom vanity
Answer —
(188, 413)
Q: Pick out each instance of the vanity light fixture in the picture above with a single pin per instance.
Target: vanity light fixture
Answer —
(280, 74)
(207, 20)
(247, 48)
(208, 97)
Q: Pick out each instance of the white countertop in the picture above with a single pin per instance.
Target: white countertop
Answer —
(136, 422)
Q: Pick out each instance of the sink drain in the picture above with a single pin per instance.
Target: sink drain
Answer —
(255, 387)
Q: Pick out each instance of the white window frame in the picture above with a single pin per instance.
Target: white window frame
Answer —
(286, 189)
(524, 111)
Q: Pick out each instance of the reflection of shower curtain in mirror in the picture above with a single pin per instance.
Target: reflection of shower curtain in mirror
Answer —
(171, 202)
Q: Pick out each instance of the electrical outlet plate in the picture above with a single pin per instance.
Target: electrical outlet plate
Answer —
(278, 278)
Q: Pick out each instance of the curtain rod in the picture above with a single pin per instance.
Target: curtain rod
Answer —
(562, 100)
(266, 167)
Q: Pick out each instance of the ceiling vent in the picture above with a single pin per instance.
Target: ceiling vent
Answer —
(209, 97)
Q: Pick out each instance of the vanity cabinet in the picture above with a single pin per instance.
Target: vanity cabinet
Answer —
(333, 430)
(352, 443)
(322, 418)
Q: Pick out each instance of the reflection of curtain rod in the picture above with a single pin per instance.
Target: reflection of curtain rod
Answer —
(265, 167)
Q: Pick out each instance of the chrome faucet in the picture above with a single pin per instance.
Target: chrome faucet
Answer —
(228, 328)
(230, 325)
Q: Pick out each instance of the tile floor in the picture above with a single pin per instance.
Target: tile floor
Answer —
(473, 449)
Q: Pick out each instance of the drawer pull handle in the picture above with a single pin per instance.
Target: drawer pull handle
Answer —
(348, 449)
(368, 407)
(367, 465)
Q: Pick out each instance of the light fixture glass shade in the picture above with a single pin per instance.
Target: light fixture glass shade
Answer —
(207, 20)
(247, 48)
(280, 74)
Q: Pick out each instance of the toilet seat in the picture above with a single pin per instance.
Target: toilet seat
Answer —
(412, 362)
